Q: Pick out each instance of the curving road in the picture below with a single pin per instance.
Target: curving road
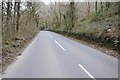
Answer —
(53, 56)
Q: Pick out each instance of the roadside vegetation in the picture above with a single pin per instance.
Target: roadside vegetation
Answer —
(19, 26)
(93, 22)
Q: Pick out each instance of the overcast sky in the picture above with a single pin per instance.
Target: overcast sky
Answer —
(49, 1)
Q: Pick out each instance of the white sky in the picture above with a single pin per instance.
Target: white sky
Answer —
(49, 1)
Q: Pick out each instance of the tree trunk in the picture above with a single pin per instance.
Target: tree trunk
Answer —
(8, 12)
(88, 9)
(96, 6)
(72, 14)
(118, 12)
(7, 31)
(65, 20)
(101, 4)
(2, 14)
(18, 16)
(14, 16)
(14, 20)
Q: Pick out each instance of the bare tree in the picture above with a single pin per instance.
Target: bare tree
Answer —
(88, 9)
(18, 16)
(8, 12)
(2, 13)
(101, 4)
(72, 14)
(14, 16)
(96, 7)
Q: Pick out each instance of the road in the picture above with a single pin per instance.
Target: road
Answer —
(53, 56)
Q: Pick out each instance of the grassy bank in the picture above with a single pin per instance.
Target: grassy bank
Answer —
(101, 28)
(103, 41)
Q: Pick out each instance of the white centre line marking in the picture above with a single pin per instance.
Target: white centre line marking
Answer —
(0, 78)
(51, 37)
(59, 45)
(86, 72)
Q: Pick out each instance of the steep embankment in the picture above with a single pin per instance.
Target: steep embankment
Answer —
(100, 29)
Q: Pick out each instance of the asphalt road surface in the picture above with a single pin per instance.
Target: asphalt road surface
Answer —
(53, 56)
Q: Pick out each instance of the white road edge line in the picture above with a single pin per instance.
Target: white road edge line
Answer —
(59, 45)
(86, 71)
